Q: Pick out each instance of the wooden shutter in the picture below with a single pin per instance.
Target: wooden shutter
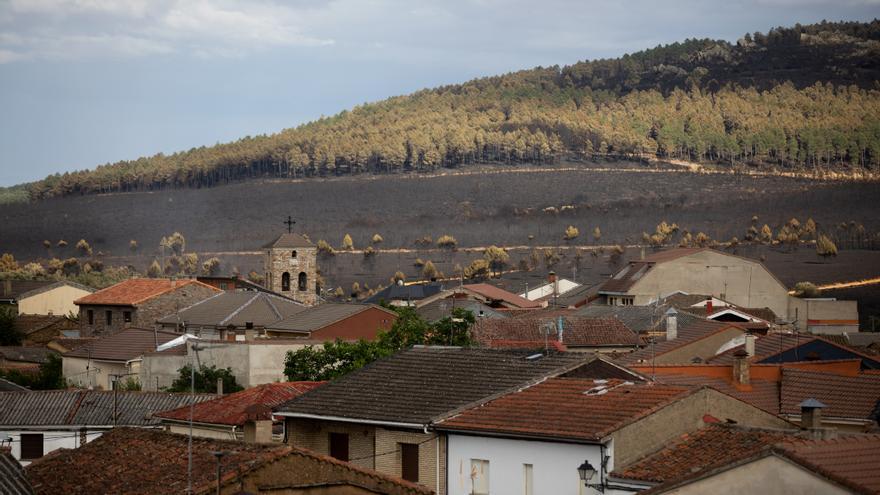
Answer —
(409, 462)
(31, 445)
(339, 446)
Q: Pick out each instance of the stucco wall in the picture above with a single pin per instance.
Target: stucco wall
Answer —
(767, 475)
(653, 432)
(52, 440)
(158, 371)
(57, 301)
(97, 375)
(825, 316)
(554, 465)
(740, 281)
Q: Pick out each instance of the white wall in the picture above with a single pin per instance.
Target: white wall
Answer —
(554, 465)
(85, 373)
(52, 440)
(57, 301)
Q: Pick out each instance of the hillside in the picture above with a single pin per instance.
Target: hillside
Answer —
(796, 97)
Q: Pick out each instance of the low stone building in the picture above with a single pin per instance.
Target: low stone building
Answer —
(137, 302)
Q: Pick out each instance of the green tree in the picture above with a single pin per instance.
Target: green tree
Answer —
(806, 289)
(155, 270)
(429, 271)
(446, 242)
(205, 380)
(9, 334)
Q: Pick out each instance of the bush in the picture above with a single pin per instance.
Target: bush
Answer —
(347, 243)
(211, 266)
(597, 234)
(155, 270)
(9, 335)
(62, 243)
(83, 248)
(377, 239)
(429, 271)
(133, 245)
(825, 247)
(369, 252)
(325, 249)
(806, 289)
(571, 233)
(205, 380)
(446, 242)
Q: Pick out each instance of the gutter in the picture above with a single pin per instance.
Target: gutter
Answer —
(412, 426)
(518, 436)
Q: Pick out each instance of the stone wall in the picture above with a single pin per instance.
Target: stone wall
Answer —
(278, 261)
(99, 326)
(170, 303)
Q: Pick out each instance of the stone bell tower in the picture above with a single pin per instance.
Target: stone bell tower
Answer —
(291, 267)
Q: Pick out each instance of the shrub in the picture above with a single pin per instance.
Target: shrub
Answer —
(155, 270)
(377, 239)
(369, 252)
(446, 242)
(62, 243)
(83, 248)
(211, 266)
(133, 245)
(597, 234)
(429, 271)
(47, 244)
(806, 289)
(571, 233)
(205, 380)
(398, 277)
(825, 247)
(325, 249)
(347, 243)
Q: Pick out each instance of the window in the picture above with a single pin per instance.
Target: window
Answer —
(31, 445)
(285, 282)
(91, 316)
(528, 480)
(409, 462)
(303, 281)
(293, 254)
(626, 301)
(109, 315)
(223, 286)
(479, 477)
(339, 446)
(126, 316)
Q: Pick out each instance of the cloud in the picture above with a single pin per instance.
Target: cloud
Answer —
(75, 29)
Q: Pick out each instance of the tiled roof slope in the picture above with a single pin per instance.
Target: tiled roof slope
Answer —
(236, 308)
(289, 241)
(13, 481)
(28, 324)
(626, 277)
(639, 319)
(26, 354)
(88, 407)
(232, 409)
(765, 346)
(778, 347)
(853, 459)
(423, 384)
(441, 308)
(137, 290)
(413, 292)
(143, 461)
(566, 408)
(577, 331)
(322, 315)
(713, 446)
(689, 334)
(843, 396)
(496, 294)
(763, 394)
(124, 345)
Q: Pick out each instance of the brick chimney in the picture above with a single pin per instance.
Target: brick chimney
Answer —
(671, 324)
(708, 305)
(741, 367)
(750, 344)
(811, 414)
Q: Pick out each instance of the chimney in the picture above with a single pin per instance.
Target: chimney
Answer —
(750, 344)
(643, 253)
(551, 277)
(219, 386)
(708, 305)
(811, 414)
(7, 287)
(741, 367)
(559, 329)
(671, 324)
(258, 425)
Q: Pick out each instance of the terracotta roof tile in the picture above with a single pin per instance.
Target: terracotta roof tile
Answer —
(144, 461)
(577, 331)
(844, 396)
(687, 335)
(496, 294)
(853, 459)
(136, 290)
(566, 408)
(232, 409)
(713, 446)
(763, 394)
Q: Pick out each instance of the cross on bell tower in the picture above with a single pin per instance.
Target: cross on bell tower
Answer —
(290, 222)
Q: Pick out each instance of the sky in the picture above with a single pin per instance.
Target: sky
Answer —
(89, 82)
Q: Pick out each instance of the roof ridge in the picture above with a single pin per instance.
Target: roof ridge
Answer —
(75, 407)
(240, 308)
(272, 307)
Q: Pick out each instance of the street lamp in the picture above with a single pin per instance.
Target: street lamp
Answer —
(587, 472)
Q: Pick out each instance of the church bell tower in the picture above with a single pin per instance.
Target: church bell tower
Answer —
(290, 266)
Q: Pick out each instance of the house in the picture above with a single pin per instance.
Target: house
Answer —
(380, 416)
(42, 297)
(232, 315)
(497, 298)
(13, 481)
(442, 308)
(252, 362)
(573, 332)
(38, 330)
(743, 282)
(42, 421)
(330, 321)
(534, 439)
(643, 320)
(100, 362)
(730, 459)
(24, 359)
(700, 340)
(137, 302)
(785, 348)
(849, 402)
(553, 289)
(245, 415)
(401, 294)
(137, 461)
